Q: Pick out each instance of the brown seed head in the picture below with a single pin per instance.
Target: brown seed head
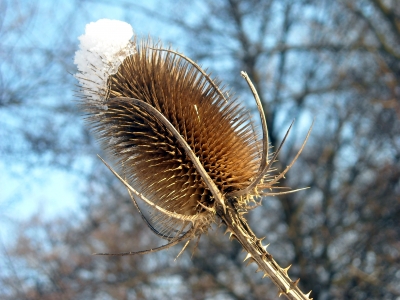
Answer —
(216, 127)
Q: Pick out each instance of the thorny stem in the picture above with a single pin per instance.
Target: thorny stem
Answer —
(239, 229)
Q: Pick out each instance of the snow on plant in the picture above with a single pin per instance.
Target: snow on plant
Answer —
(103, 48)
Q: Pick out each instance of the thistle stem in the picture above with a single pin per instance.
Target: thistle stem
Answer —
(239, 229)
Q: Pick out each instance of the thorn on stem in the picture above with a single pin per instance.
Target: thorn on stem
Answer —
(285, 270)
(265, 247)
(247, 257)
(295, 283)
(250, 261)
(308, 295)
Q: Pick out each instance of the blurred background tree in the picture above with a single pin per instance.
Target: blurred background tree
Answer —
(335, 61)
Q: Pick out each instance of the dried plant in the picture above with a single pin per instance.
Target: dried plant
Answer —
(185, 147)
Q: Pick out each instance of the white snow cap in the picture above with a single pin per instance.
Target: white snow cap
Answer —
(103, 47)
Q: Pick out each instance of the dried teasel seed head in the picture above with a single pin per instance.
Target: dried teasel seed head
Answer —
(217, 127)
(218, 131)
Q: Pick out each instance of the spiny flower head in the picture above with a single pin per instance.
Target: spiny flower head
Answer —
(216, 126)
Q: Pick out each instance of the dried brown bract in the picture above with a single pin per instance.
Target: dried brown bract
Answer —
(189, 150)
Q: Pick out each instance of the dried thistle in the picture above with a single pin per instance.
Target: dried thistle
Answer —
(183, 145)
